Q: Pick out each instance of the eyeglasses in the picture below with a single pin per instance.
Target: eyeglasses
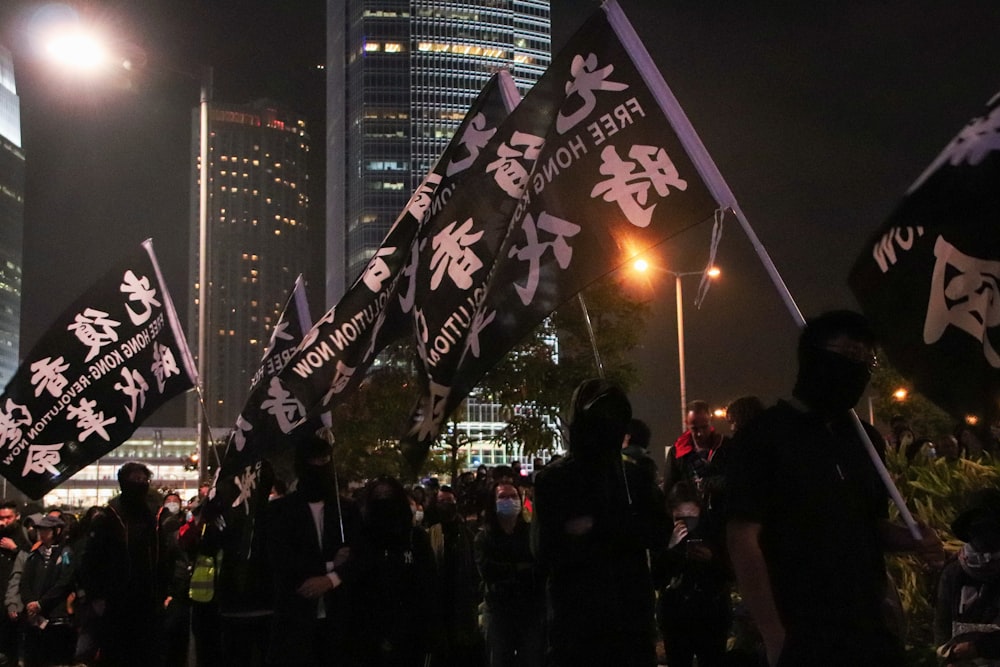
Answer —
(858, 353)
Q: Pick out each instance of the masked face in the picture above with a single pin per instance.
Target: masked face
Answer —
(316, 483)
(832, 377)
(980, 565)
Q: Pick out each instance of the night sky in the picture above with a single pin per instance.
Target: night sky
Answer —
(818, 114)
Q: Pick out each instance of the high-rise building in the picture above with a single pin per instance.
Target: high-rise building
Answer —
(400, 76)
(11, 218)
(257, 243)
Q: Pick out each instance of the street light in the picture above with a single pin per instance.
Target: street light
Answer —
(641, 265)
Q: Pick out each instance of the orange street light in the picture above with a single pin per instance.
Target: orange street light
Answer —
(900, 394)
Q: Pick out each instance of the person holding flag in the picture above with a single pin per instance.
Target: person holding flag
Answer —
(808, 514)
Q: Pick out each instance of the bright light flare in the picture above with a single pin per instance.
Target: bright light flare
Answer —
(714, 272)
(900, 394)
(640, 265)
(971, 420)
(74, 48)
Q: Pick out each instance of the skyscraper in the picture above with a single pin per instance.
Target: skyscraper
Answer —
(11, 218)
(257, 242)
(400, 76)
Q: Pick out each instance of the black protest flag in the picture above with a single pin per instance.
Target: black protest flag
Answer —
(375, 310)
(270, 411)
(108, 362)
(928, 278)
(610, 179)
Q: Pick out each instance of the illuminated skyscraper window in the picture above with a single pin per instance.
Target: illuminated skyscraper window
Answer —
(400, 76)
(257, 240)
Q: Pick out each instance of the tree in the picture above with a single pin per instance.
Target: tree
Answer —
(533, 389)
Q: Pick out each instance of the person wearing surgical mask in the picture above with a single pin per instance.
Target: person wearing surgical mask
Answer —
(808, 515)
(514, 588)
(967, 615)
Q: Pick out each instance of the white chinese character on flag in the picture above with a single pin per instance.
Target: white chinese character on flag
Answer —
(281, 405)
(630, 188)
(164, 365)
(42, 459)
(134, 386)
(138, 289)
(47, 375)
(89, 420)
(377, 271)
(12, 417)
(473, 140)
(587, 78)
(534, 249)
(94, 329)
(453, 255)
(511, 175)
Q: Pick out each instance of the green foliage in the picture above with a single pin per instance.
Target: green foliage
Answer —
(534, 391)
(369, 422)
(923, 416)
(935, 492)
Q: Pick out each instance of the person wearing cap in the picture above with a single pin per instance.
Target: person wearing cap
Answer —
(594, 519)
(309, 533)
(13, 541)
(967, 616)
(37, 593)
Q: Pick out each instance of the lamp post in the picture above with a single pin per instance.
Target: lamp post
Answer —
(641, 265)
(75, 48)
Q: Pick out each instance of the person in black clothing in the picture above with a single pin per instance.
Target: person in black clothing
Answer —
(967, 616)
(594, 519)
(37, 593)
(459, 642)
(513, 586)
(121, 571)
(395, 580)
(13, 541)
(693, 580)
(808, 512)
(308, 544)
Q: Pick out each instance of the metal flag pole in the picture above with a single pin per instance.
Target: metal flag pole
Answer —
(590, 332)
(723, 195)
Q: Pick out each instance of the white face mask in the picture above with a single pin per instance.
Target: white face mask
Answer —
(418, 517)
(173, 508)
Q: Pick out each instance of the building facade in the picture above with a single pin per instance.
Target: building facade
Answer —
(257, 242)
(11, 219)
(401, 75)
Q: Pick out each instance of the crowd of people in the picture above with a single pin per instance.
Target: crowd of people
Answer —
(763, 547)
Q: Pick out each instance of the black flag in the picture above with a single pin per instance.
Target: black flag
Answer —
(332, 361)
(110, 360)
(601, 176)
(928, 279)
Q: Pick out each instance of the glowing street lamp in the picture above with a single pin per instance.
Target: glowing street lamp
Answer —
(900, 394)
(641, 265)
(76, 49)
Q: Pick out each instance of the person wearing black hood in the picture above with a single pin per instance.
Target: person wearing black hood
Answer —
(808, 513)
(121, 573)
(310, 532)
(967, 617)
(395, 580)
(594, 520)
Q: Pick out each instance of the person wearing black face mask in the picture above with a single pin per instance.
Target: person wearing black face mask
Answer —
(120, 571)
(309, 539)
(395, 580)
(808, 514)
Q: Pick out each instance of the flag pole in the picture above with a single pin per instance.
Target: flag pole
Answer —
(590, 332)
(723, 195)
